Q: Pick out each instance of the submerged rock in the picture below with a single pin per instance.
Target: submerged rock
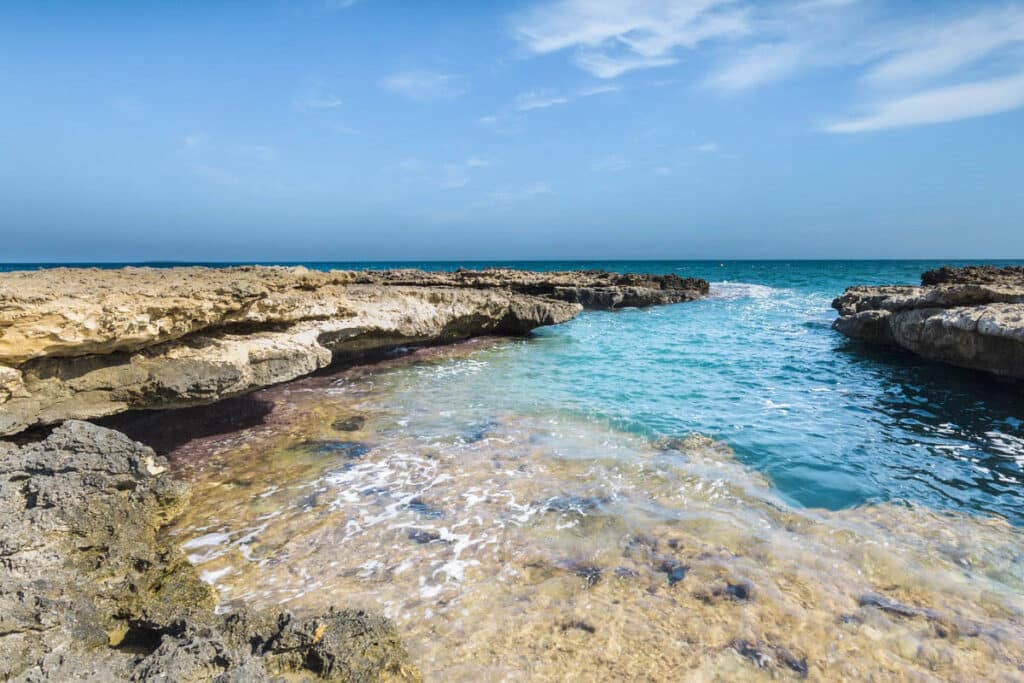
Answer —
(91, 591)
(971, 317)
(345, 449)
(349, 424)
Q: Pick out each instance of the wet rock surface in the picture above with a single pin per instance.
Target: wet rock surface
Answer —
(972, 317)
(90, 343)
(90, 591)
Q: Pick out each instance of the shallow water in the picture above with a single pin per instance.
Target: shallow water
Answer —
(548, 545)
(534, 510)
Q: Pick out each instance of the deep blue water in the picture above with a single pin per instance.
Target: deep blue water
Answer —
(831, 422)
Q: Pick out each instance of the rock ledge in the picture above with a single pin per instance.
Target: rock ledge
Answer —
(972, 317)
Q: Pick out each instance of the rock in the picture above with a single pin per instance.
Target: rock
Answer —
(351, 450)
(971, 317)
(579, 625)
(89, 343)
(349, 424)
(89, 590)
(424, 509)
(423, 536)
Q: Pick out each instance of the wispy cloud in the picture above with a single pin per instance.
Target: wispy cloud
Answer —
(546, 97)
(423, 85)
(953, 103)
(538, 99)
(933, 51)
(708, 147)
(611, 37)
(315, 94)
(756, 66)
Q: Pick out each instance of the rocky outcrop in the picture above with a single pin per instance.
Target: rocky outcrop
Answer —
(88, 343)
(89, 591)
(971, 317)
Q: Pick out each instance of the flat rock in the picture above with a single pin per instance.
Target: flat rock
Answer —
(972, 317)
(88, 343)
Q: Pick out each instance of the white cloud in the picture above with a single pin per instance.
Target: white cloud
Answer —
(597, 90)
(315, 94)
(706, 147)
(607, 66)
(476, 162)
(423, 85)
(924, 52)
(758, 65)
(539, 99)
(546, 97)
(939, 105)
(615, 36)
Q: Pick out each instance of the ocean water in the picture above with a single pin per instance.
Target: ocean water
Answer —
(830, 422)
(716, 490)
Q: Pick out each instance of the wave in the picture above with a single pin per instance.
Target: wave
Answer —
(741, 290)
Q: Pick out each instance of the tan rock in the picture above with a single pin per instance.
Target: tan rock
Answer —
(971, 317)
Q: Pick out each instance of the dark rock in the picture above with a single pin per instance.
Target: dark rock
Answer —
(753, 653)
(479, 432)
(424, 509)
(947, 275)
(580, 505)
(675, 570)
(346, 449)
(626, 573)
(591, 574)
(349, 424)
(797, 664)
(743, 590)
(580, 625)
(423, 535)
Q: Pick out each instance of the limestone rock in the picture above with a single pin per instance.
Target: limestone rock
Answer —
(89, 591)
(971, 317)
(88, 343)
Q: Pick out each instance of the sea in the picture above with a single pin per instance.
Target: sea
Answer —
(724, 488)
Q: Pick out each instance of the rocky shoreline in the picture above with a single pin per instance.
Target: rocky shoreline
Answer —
(88, 343)
(88, 588)
(971, 317)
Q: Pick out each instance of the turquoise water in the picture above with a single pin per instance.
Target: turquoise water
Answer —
(832, 423)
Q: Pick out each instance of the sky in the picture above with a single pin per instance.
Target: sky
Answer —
(287, 130)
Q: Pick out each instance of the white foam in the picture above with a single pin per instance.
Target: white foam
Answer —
(740, 290)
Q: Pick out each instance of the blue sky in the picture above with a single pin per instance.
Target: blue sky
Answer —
(368, 129)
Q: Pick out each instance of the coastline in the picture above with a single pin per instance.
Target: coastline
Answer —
(714, 567)
(90, 344)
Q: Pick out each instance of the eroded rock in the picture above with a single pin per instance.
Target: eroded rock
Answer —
(90, 343)
(89, 590)
(971, 317)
